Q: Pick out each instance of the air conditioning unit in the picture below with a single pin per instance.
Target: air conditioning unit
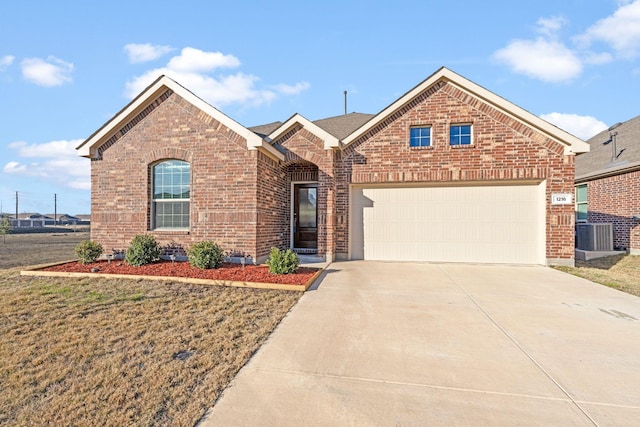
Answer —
(594, 237)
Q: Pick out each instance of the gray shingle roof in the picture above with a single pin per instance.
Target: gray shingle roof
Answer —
(344, 125)
(264, 130)
(338, 126)
(601, 160)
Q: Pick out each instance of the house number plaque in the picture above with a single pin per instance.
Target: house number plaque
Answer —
(562, 199)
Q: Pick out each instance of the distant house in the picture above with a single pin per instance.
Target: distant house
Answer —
(608, 183)
(65, 219)
(32, 220)
(83, 219)
(448, 172)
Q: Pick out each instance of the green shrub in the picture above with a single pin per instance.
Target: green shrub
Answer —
(88, 251)
(206, 254)
(143, 249)
(282, 262)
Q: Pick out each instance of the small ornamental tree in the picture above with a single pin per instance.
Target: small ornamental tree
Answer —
(143, 249)
(206, 254)
(282, 262)
(88, 251)
(5, 228)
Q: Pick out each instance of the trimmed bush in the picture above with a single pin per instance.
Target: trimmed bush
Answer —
(88, 251)
(282, 262)
(206, 254)
(143, 249)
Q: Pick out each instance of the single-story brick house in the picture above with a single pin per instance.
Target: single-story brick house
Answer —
(608, 183)
(448, 172)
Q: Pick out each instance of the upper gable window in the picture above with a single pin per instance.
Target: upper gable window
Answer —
(460, 135)
(420, 136)
(171, 195)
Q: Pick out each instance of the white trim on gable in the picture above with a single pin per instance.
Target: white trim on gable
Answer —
(329, 140)
(573, 144)
(254, 142)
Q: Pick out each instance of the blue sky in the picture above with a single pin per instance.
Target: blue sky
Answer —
(66, 67)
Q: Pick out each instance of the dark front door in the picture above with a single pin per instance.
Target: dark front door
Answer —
(305, 216)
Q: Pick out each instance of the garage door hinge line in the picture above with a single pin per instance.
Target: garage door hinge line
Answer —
(517, 344)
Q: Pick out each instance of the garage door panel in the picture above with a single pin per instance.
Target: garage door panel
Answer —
(486, 224)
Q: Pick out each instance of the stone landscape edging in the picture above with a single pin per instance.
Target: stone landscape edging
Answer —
(36, 271)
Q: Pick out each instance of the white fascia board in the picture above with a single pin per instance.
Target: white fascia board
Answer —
(329, 140)
(88, 147)
(573, 144)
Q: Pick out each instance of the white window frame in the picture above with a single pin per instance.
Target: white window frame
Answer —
(427, 127)
(154, 201)
(579, 203)
(471, 139)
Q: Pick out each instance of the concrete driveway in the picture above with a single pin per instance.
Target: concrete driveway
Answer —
(393, 344)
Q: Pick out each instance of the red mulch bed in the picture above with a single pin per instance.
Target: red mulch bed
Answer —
(228, 271)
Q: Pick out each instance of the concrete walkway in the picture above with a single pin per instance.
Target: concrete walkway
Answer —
(392, 344)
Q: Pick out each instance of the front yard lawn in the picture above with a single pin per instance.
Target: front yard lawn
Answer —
(124, 352)
(620, 272)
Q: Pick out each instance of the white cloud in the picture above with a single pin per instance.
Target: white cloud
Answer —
(194, 69)
(549, 27)
(292, 90)
(14, 167)
(56, 161)
(546, 60)
(598, 58)
(6, 61)
(48, 73)
(583, 127)
(145, 52)
(197, 61)
(621, 30)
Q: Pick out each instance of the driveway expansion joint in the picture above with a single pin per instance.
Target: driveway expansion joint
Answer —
(520, 347)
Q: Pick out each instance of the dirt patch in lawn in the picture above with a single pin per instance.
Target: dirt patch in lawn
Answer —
(115, 352)
(227, 272)
(620, 272)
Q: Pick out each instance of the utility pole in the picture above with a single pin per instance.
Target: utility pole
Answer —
(55, 209)
(16, 205)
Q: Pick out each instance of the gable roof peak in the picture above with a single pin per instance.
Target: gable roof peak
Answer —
(90, 146)
(573, 144)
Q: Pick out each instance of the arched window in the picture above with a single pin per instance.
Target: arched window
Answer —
(171, 184)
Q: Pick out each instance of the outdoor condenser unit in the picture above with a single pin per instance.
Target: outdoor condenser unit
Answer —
(594, 237)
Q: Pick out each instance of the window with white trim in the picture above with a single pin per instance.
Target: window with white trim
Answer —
(171, 188)
(581, 203)
(460, 135)
(420, 136)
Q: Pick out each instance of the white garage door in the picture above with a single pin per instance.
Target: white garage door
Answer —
(480, 224)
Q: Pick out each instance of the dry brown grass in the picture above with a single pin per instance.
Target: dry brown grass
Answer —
(113, 352)
(87, 352)
(620, 272)
(21, 250)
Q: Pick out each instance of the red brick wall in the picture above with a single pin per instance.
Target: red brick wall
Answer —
(503, 149)
(272, 194)
(223, 179)
(616, 200)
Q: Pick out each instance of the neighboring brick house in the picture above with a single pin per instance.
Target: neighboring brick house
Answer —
(448, 172)
(608, 183)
